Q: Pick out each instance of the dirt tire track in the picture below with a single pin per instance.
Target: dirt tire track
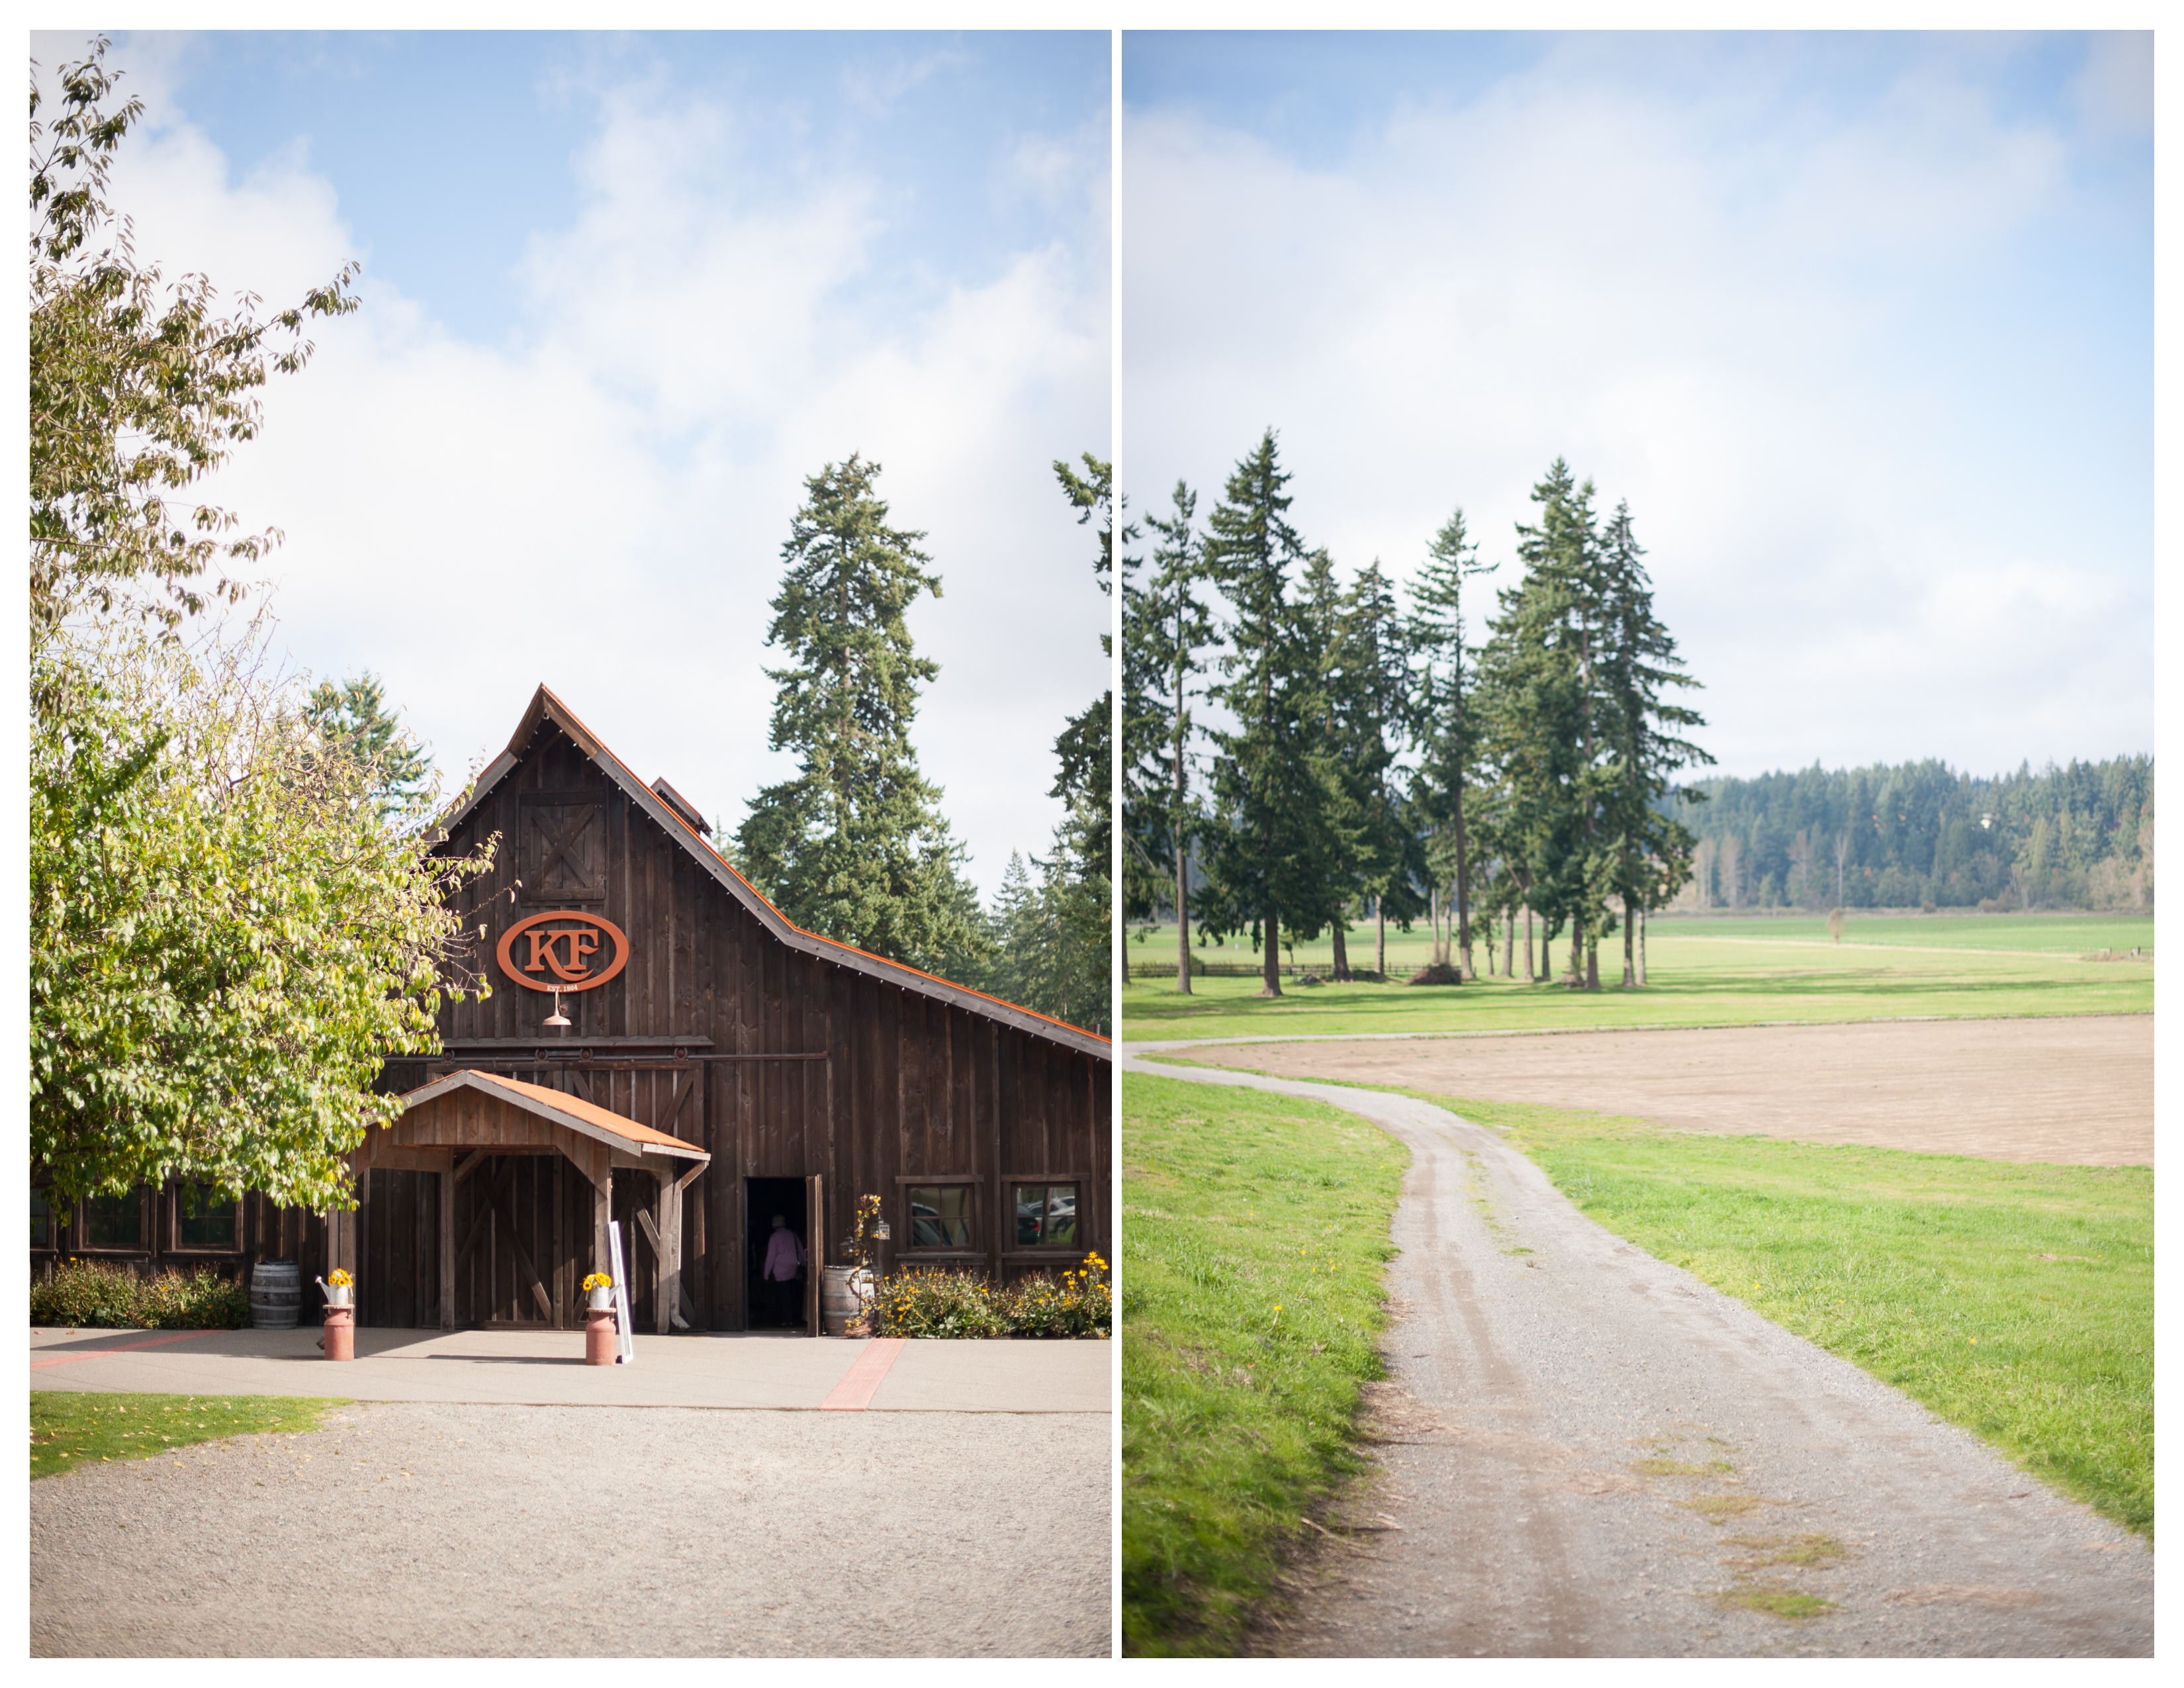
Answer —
(1537, 1388)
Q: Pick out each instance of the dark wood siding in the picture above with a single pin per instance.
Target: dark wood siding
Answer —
(910, 1084)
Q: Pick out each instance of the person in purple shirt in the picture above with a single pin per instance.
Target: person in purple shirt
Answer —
(784, 1266)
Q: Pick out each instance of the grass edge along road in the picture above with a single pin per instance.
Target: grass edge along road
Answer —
(1254, 1247)
(71, 1428)
(2014, 1300)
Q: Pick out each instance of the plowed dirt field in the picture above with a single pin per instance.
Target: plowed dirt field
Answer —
(2074, 1091)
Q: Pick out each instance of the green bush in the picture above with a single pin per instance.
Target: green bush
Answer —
(90, 1292)
(936, 1302)
(1076, 1304)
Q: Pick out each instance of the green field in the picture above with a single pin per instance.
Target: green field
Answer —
(1701, 972)
(72, 1428)
(1255, 1237)
(2014, 1301)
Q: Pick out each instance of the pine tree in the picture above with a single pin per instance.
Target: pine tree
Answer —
(1447, 735)
(855, 847)
(1085, 749)
(1273, 856)
(1372, 673)
(353, 717)
(1165, 626)
(1638, 659)
(1541, 707)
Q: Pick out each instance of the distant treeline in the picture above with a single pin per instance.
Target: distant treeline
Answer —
(1918, 835)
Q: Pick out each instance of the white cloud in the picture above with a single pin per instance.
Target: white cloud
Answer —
(597, 500)
(1738, 311)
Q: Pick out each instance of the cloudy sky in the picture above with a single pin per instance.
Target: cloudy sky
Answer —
(1861, 325)
(622, 295)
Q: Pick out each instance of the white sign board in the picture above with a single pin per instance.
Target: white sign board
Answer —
(627, 1344)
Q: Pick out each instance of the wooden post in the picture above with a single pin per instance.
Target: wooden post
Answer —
(663, 1274)
(447, 1246)
(602, 1216)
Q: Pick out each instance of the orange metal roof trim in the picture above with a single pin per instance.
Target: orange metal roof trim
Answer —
(597, 747)
(563, 1102)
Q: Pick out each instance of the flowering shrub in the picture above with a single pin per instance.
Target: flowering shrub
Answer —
(90, 1292)
(936, 1302)
(1079, 1303)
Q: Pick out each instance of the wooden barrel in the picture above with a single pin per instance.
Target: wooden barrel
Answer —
(838, 1301)
(276, 1294)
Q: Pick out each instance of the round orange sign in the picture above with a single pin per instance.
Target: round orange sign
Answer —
(560, 950)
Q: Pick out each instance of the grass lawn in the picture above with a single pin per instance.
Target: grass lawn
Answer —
(1700, 973)
(1255, 1237)
(70, 1428)
(2016, 1301)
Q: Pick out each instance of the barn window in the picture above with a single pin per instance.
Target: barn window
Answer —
(1046, 1216)
(940, 1216)
(113, 1222)
(202, 1220)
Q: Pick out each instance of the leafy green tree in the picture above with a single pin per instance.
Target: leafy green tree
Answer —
(855, 848)
(1166, 625)
(354, 716)
(137, 391)
(1276, 856)
(1448, 739)
(226, 943)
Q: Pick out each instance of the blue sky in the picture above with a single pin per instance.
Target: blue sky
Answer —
(622, 294)
(1862, 326)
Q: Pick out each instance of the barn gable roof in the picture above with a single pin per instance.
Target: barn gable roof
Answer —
(546, 708)
(585, 1118)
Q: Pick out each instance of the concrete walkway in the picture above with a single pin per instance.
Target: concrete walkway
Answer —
(546, 1368)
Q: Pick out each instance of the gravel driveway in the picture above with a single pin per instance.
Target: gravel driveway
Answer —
(1587, 1451)
(424, 1529)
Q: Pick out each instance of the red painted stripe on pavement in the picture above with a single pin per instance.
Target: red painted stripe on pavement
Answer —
(855, 1392)
(118, 1348)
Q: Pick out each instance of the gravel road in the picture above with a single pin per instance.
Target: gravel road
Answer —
(414, 1529)
(1586, 1451)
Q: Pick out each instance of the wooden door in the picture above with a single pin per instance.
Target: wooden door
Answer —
(815, 1232)
(522, 1223)
(563, 850)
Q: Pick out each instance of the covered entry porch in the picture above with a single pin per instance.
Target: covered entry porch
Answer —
(513, 1186)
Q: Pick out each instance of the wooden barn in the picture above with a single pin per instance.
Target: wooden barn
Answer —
(719, 1066)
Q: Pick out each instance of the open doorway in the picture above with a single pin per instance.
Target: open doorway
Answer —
(770, 1303)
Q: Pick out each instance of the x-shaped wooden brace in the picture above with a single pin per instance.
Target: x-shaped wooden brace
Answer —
(493, 1207)
(553, 858)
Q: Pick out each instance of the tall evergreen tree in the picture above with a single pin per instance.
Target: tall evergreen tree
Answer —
(1166, 625)
(1085, 750)
(1541, 710)
(1447, 736)
(1638, 659)
(1372, 676)
(1273, 857)
(855, 847)
(353, 717)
